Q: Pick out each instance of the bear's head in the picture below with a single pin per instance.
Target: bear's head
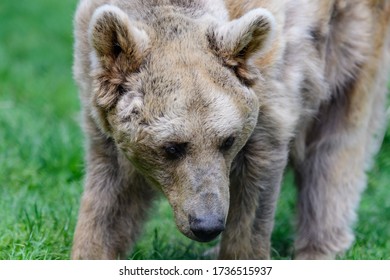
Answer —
(175, 95)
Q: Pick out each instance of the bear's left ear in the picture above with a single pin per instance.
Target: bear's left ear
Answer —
(244, 37)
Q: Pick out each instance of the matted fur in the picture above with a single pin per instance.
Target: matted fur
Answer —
(207, 101)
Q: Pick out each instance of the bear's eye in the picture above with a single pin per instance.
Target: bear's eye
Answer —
(175, 150)
(227, 144)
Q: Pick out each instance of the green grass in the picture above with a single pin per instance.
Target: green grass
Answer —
(41, 154)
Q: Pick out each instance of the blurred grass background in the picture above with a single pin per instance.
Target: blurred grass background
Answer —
(41, 154)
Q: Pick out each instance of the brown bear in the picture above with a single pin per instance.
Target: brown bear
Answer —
(206, 101)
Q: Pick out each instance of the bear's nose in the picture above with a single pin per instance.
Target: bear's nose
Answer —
(206, 228)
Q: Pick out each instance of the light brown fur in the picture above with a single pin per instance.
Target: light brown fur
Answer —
(207, 100)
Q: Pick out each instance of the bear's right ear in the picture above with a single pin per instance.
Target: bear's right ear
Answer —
(114, 36)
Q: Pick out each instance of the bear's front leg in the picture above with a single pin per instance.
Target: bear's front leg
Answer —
(330, 181)
(113, 207)
(255, 185)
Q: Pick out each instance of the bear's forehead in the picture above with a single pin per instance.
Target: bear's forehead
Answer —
(188, 97)
(194, 87)
(184, 90)
(205, 118)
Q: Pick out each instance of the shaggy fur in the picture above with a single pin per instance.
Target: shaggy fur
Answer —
(207, 101)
